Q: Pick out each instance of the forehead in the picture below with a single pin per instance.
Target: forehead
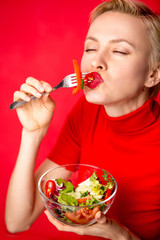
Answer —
(120, 25)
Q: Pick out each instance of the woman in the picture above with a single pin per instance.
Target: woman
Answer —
(116, 126)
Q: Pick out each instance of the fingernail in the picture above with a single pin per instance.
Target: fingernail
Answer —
(99, 215)
(38, 94)
(48, 89)
(27, 99)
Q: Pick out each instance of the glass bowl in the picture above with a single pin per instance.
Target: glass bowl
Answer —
(71, 213)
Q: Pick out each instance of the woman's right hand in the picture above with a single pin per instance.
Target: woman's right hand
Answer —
(36, 114)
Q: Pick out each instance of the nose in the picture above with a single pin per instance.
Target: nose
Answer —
(98, 63)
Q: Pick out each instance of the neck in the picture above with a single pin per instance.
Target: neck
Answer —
(123, 107)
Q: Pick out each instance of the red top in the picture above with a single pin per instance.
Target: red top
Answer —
(129, 148)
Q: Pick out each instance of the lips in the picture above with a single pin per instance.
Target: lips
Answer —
(93, 80)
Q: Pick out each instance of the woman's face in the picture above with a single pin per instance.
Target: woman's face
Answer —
(118, 48)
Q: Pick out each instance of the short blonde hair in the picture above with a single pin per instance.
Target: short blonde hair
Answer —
(150, 19)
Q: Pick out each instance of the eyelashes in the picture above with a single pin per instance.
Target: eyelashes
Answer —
(90, 50)
(115, 51)
(120, 52)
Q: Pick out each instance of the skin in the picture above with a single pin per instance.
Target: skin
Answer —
(105, 227)
(126, 79)
(35, 118)
(118, 53)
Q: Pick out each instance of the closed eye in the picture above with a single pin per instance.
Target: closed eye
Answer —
(120, 52)
(90, 50)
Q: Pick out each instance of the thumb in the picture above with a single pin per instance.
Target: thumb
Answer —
(100, 217)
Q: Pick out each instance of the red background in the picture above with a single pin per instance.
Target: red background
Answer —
(40, 39)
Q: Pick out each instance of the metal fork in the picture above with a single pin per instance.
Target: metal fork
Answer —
(67, 82)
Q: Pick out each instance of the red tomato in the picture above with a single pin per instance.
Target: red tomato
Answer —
(50, 188)
(83, 200)
(93, 79)
(108, 194)
(83, 215)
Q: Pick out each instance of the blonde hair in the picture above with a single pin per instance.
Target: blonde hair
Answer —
(150, 19)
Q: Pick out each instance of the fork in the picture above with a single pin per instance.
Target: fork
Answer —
(67, 82)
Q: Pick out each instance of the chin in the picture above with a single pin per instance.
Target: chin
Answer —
(94, 97)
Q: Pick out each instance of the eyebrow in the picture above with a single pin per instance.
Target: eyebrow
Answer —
(122, 40)
(112, 41)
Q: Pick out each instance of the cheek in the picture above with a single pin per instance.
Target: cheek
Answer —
(133, 73)
(86, 62)
(83, 64)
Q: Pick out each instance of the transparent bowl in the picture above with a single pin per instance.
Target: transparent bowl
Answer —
(74, 215)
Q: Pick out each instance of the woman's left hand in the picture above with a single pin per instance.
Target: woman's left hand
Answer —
(105, 227)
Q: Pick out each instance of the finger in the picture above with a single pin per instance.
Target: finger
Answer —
(55, 222)
(21, 95)
(100, 217)
(48, 103)
(47, 87)
(63, 227)
(30, 90)
(35, 83)
(49, 216)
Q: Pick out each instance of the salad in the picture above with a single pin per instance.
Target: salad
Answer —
(87, 195)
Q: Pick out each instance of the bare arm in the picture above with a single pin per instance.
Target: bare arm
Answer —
(23, 203)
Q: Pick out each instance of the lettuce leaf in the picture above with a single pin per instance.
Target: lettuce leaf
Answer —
(68, 185)
(66, 199)
(105, 175)
(93, 177)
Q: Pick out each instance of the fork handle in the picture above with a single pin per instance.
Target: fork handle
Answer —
(20, 103)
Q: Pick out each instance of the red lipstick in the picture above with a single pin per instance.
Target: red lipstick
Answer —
(92, 80)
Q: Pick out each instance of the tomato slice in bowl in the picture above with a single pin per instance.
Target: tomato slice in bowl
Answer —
(84, 199)
(108, 194)
(83, 215)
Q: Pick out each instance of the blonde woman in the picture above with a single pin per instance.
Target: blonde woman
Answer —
(115, 126)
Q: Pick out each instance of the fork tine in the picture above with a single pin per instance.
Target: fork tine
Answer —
(74, 84)
(73, 76)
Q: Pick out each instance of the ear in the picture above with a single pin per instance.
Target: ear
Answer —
(154, 77)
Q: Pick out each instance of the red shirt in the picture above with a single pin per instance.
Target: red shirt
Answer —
(129, 148)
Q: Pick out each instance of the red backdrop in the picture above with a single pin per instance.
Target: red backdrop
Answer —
(39, 39)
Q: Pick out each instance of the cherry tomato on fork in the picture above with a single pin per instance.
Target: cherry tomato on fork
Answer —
(93, 79)
(50, 188)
